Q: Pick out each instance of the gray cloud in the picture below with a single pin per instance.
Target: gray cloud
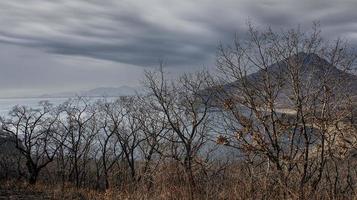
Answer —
(124, 32)
(141, 32)
(90, 42)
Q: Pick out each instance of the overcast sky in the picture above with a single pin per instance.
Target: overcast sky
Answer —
(66, 45)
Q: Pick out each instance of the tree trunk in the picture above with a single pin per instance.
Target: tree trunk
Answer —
(33, 172)
(189, 172)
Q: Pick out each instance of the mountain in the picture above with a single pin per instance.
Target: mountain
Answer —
(111, 91)
(312, 70)
(98, 92)
(314, 73)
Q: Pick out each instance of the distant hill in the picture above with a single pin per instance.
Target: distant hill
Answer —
(98, 92)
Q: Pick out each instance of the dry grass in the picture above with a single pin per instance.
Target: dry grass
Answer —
(168, 182)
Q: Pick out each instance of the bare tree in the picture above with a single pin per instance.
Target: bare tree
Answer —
(154, 128)
(110, 118)
(35, 135)
(129, 133)
(77, 122)
(186, 111)
(283, 113)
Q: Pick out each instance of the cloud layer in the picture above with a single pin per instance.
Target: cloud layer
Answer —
(140, 32)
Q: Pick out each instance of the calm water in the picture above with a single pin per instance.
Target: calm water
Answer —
(7, 103)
